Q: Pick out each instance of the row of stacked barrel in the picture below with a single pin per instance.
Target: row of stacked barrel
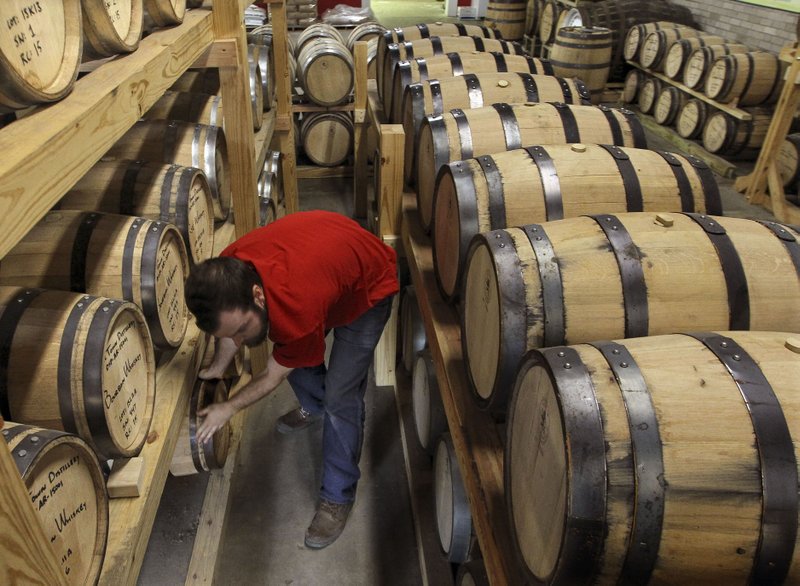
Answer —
(35, 70)
(324, 66)
(724, 71)
(553, 224)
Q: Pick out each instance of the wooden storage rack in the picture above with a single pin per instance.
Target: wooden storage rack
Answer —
(48, 151)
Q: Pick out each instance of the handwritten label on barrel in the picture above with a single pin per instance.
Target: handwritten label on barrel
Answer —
(32, 38)
(199, 237)
(169, 289)
(125, 381)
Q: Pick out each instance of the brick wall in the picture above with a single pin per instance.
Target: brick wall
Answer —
(768, 29)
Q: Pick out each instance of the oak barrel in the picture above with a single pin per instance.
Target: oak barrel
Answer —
(190, 457)
(156, 191)
(262, 55)
(182, 143)
(318, 30)
(585, 53)
(412, 328)
(669, 102)
(430, 420)
(477, 90)
(111, 27)
(552, 182)
(425, 31)
(788, 160)
(272, 164)
(648, 94)
(436, 46)
(187, 107)
(548, 21)
(368, 32)
(699, 62)
(614, 276)
(633, 82)
(325, 71)
(472, 133)
(750, 78)
(640, 461)
(725, 135)
(40, 52)
(68, 492)
(327, 137)
(267, 211)
(166, 12)
(457, 64)
(533, 11)
(634, 38)
(110, 255)
(508, 17)
(78, 363)
(453, 517)
(679, 52)
(692, 118)
(653, 55)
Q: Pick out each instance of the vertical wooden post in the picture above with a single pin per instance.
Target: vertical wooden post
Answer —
(238, 114)
(284, 125)
(25, 554)
(390, 198)
(361, 129)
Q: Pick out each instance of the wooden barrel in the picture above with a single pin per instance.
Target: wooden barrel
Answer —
(267, 211)
(692, 118)
(111, 27)
(190, 457)
(679, 52)
(187, 107)
(552, 182)
(699, 62)
(466, 134)
(634, 80)
(533, 11)
(508, 17)
(182, 143)
(165, 12)
(318, 30)
(477, 90)
(262, 56)
(656, 44)
(68, 492)
(669, 102)
(619, 452)
(368, 32)
(548, 21)
(426, 31)
(725, 135)
(457, 64)
(78, 363)
(453, 517)
(750, 78)
(325, 71)
(327, 137)
(109, 255)
(788, 160)
(648, 94)
(634, 39)
(167, 193)
(272, 164)
(585, 53)
(39, 60)
(433, 47)
(583, 282)
(256, 85)
(620, 16)
(412, 328)
(472, 573)
(430, 421)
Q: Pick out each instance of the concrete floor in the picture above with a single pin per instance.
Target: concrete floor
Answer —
(274, 489)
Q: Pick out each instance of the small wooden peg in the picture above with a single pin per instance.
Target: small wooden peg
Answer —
(664, 220)
(793, 344)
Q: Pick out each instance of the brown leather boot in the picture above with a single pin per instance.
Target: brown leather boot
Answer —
(328, 523)
(295, 420)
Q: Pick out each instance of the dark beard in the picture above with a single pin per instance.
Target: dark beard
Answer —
(262, 333)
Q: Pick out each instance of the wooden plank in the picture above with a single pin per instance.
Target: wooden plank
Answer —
(262, 140)
(360, 154)
(315, 172)
(45, 153)
(475, 437)
(390, 196)
(25, 554)
(735, 112)
(385, 355)
(222, 53)
(718, 164)
(216, 504)
(308, 107)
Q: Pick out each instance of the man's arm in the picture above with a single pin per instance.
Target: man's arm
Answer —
(217, 414)
(224, 351)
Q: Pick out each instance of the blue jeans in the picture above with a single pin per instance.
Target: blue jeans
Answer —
(338, 392)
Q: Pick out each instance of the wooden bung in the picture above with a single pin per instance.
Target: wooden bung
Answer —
(639, 461)
(501, 127)
(68, 492)
(81, 364)
(108, 255)
(156, 191)
(561, 283)
(545, 183)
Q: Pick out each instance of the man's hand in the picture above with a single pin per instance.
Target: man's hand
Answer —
(214, 417)
(211, 372)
